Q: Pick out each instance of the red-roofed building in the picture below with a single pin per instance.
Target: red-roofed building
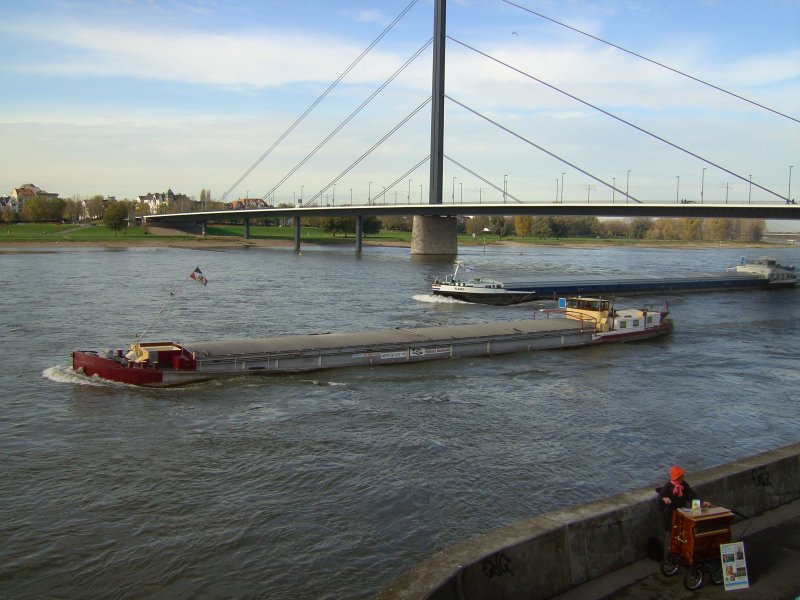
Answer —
(26, 192)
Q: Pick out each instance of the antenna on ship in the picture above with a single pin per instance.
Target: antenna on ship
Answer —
(197, 275)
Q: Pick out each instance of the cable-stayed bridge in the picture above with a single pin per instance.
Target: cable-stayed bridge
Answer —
(435, 216)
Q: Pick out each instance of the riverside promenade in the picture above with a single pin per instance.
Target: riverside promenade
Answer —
(772, 550)
(599, 550)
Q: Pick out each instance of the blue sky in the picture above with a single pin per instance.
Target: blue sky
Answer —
(126, 97)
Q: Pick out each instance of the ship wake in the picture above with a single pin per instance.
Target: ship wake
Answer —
(436, 299)
(65, 374)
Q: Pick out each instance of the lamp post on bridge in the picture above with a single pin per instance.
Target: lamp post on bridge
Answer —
(408, 198)
(627, 186)
(505, 187)
(789, 195)
(613, 188)
(678, 191)
(702, 184)
(351, 196)
(556, 190)
(562, 187)
(369, 193)
(461, 188)
(750, 189)
(453, 191)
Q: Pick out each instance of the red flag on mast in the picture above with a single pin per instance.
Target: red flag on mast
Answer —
(198, 276)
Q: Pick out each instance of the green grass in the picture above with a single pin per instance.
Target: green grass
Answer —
(55, 232)
(311, 235)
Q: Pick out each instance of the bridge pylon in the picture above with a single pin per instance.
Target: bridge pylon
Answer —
(436, 235)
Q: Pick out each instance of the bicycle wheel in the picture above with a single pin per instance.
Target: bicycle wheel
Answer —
(716, 576)
(670, 566)
(693, 579)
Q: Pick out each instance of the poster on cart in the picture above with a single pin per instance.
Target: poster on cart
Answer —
(734, 566)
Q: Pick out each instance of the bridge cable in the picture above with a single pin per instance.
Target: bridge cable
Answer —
(350, 117)
(486, 181)
(620, 119)
(545, 150)
(368, 152)
(320, 98)
(655, 62)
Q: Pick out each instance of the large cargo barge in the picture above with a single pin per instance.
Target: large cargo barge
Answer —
(581, 322)
(763, 273)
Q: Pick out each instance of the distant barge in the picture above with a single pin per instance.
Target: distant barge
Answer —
(581, 322)
(763, 273)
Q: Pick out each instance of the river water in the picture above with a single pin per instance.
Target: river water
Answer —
(329, 485)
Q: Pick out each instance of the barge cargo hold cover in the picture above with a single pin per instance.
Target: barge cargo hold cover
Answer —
(333, 350)
(173, 363)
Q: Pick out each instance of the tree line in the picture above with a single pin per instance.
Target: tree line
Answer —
(56, 210)
(685, 229)
(642, 228)
(69, 210)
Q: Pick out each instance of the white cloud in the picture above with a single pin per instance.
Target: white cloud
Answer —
(368, 16)
(250, 60)
(610, 78)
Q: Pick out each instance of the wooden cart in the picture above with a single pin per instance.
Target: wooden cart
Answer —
(694, 543)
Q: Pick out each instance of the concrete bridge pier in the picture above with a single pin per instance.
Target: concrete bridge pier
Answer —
(359, 232)
(434, 235)
(297, 234)
(247, 228)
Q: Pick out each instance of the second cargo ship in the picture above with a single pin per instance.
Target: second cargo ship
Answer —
(762, 273)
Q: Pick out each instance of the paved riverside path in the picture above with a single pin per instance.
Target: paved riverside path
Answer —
(772, 550)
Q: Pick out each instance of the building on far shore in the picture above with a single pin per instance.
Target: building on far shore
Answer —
(161, 202)
(243, 203)
(26, 192)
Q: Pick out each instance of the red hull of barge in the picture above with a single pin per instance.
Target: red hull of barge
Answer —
(90, 364)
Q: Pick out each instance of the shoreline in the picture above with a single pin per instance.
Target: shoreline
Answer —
(226, 242)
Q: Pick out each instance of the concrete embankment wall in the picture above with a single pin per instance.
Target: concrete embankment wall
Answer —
(552, 553)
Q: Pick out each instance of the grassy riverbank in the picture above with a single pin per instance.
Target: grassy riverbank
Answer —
(231, 235)
(50, 233)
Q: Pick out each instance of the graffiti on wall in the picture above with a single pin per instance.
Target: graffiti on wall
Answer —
(760, 477)
(497, 565)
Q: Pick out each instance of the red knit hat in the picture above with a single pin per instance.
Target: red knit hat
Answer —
(675, 472)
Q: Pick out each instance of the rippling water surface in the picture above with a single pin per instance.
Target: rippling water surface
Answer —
(329, 485)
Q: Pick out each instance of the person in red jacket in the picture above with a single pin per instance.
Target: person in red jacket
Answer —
(676, 493)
